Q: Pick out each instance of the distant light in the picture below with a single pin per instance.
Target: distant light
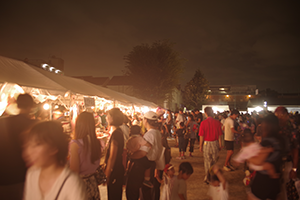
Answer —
(258, 109)
(56, 106)
(265, 104)
(51, 68)
(227, 95)
(92, 107)
(209, 90)
(57, 71)
(46, 106)
(249, 95)
(44, 66)
(221, 88)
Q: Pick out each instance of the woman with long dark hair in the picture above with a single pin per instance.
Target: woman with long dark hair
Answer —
(85, 153)
(114, 166)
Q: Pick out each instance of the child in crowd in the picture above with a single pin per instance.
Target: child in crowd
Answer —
(218, 188)
(49, 178)
(181, 140)
(178, 190)
(193, 130)
(134, 143)
(168, 179)
(255, 155)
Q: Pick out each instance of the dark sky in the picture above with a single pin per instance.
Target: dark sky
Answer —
(232, 42)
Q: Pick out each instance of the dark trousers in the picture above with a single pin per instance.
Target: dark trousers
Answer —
(136, 178)
(115, 188)
(156, 186)
(192, 144)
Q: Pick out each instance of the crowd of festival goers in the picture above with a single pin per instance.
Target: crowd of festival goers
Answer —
(50, 159)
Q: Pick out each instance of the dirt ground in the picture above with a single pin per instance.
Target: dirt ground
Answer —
(196, 188)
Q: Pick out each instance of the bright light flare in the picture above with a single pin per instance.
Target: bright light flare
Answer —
(46, 106)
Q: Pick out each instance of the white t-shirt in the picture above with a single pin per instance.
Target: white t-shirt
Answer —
(179, 187)
(153, 136)
(166, 187)
(218, 193)
(179, 119)
(249, 152)
(73, 189)
(228, 134)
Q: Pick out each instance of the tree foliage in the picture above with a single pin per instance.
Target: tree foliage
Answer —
(154, 69)
(195, 91)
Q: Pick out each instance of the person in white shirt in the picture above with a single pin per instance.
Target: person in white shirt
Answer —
(218, 188)
(229, 131)
(141, 162)
(179, 188)
(179, 118)
(48, 178)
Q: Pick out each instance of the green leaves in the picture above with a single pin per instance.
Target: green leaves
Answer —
(155, 70)
(195, 90)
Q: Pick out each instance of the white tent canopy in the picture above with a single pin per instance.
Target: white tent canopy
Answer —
(18, 72)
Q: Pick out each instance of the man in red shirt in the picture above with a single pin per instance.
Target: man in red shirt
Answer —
(210, 140)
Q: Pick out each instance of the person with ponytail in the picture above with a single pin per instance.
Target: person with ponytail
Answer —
(85, 153)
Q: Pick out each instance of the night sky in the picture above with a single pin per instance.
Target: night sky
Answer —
(232, 42)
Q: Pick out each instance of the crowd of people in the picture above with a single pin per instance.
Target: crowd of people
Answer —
(269, 150)
(50, 159)
(46, 160)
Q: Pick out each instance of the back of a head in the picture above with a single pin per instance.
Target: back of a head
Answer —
(85, 130)
(192, 117)
(117, 116)
(281, 110)
(152, 118)
(247, 136)
(186, 168)
(85, 125)
(212, 176)
(25, 101)
(51, 132)
(273, 123)
(209, 111)
(235, 112)
(181, 124)
(135, 130)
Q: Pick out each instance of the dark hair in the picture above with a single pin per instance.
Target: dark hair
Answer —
(192, 117)
(235, 112)
(209, 111)
(51, 132)
(117, 117)
(247, 136)
(281, 109)
(85, 129)
(135, 130)
(213, 177)
(273, 121)
(125, 119)
(181, 124)
(186, 168)
(153, 123)
(25, 101)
